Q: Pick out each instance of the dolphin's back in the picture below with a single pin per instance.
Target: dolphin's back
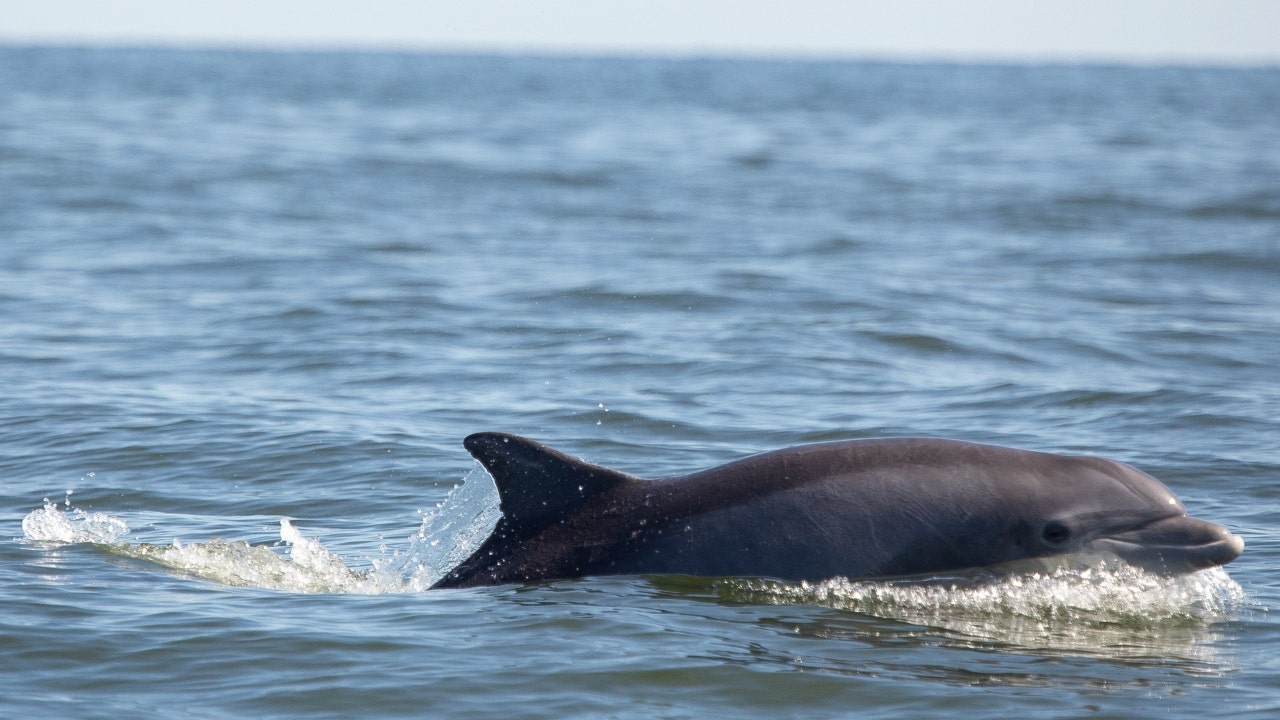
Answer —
(808, 512)
(858, 508)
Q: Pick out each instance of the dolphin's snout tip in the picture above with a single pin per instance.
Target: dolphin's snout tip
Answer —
(1236, 544)
(1223, 545)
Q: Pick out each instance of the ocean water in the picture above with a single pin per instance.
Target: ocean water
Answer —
(251, 302)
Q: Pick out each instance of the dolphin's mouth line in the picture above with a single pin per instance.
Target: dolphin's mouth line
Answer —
(1136, 539)
(1176, 543)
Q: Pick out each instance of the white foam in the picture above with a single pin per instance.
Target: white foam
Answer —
(1114, 609)
(308, 567)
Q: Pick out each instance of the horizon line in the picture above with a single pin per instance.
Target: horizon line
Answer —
(654, 51)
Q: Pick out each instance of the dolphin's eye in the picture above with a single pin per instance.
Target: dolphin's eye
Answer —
(1055, 533)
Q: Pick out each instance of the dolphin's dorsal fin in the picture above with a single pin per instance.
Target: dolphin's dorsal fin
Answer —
(538, 486)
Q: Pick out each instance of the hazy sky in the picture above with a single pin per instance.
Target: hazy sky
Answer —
(1138, 30)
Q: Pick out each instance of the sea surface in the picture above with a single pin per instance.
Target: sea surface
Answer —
(251, 302)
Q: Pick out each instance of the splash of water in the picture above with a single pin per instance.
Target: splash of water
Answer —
(70, 525)
(446, 536)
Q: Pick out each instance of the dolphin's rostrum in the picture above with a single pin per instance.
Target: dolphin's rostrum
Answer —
(854, 508)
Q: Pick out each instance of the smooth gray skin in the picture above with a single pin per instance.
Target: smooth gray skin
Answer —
(856, 509)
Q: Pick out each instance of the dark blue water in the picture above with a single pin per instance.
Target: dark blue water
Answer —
(239, 287)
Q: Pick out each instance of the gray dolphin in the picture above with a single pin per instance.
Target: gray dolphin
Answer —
(856, 509)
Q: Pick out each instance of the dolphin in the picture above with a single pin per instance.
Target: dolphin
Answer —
(857, 509)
